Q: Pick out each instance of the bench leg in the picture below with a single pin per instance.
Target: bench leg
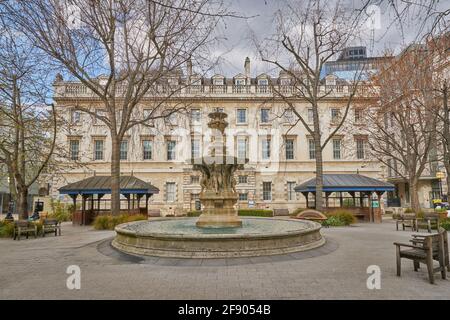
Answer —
(442, 265)
(430, 270)
(399, 262)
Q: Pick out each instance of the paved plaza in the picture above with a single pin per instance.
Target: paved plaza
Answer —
(36, 269)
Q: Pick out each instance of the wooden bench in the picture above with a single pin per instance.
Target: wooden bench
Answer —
(425, 249)
(406, 221)
(429, 220)
(24, 227)
(312, 215)
(51, 226)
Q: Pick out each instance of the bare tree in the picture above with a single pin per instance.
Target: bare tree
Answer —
(308, 34)
(28, 128)
(427, 17)
(402, 126)
(439, 58)
(135, 44)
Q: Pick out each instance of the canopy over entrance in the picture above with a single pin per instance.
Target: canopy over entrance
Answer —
(131, 188)
(352, 191)
(102, 185)
(345, 183)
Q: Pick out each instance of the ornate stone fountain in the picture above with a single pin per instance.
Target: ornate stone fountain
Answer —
(218, 232)
(218, 194)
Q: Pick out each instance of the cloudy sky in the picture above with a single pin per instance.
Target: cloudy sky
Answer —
(237, 43)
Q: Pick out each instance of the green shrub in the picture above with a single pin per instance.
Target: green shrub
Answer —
(255, 213)
(195, 213)
(109, 222)
(408, 210)
(61, 211)
(6, 229)
(333, 221)
(101, 222)
(345, 216)
(420, 214)
(445, 223)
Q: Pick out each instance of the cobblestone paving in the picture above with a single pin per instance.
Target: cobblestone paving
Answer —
(36, 269)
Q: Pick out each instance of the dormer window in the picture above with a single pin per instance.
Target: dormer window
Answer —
(239, 82)
(285, 81)
(263, 82)
(218, 82)
(330, 80)
(196, 81)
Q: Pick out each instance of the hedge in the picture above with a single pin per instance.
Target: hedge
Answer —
(255, 213)
(241, 212)
(109, 222)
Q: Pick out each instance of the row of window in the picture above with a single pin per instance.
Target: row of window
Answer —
(241, 115)
(243, 196)
(241, 148)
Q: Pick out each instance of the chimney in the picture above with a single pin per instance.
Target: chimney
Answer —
(247, 67)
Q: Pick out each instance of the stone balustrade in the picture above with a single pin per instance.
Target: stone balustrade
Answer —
(77, 90)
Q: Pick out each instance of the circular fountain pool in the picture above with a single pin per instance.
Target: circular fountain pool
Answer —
(181, 238)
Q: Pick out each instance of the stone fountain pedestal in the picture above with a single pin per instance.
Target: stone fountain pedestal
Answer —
(219, 211)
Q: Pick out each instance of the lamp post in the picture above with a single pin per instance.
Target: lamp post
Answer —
(9, 214)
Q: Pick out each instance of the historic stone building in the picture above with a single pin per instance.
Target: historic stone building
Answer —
(280, 151)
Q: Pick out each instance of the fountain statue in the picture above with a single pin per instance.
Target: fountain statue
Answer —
(218, 194)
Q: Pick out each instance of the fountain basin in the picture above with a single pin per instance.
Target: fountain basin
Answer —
(180, 238)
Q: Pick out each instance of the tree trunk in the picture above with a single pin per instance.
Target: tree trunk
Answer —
(319, 172)
(22, 203)
(115, 175)
(448, 184)
(414, 195)
(446, 141)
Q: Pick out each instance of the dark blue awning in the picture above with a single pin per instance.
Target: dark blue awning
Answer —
(102, 185)
(346, 183)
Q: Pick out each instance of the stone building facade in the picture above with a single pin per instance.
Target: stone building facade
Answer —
(260, 128)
